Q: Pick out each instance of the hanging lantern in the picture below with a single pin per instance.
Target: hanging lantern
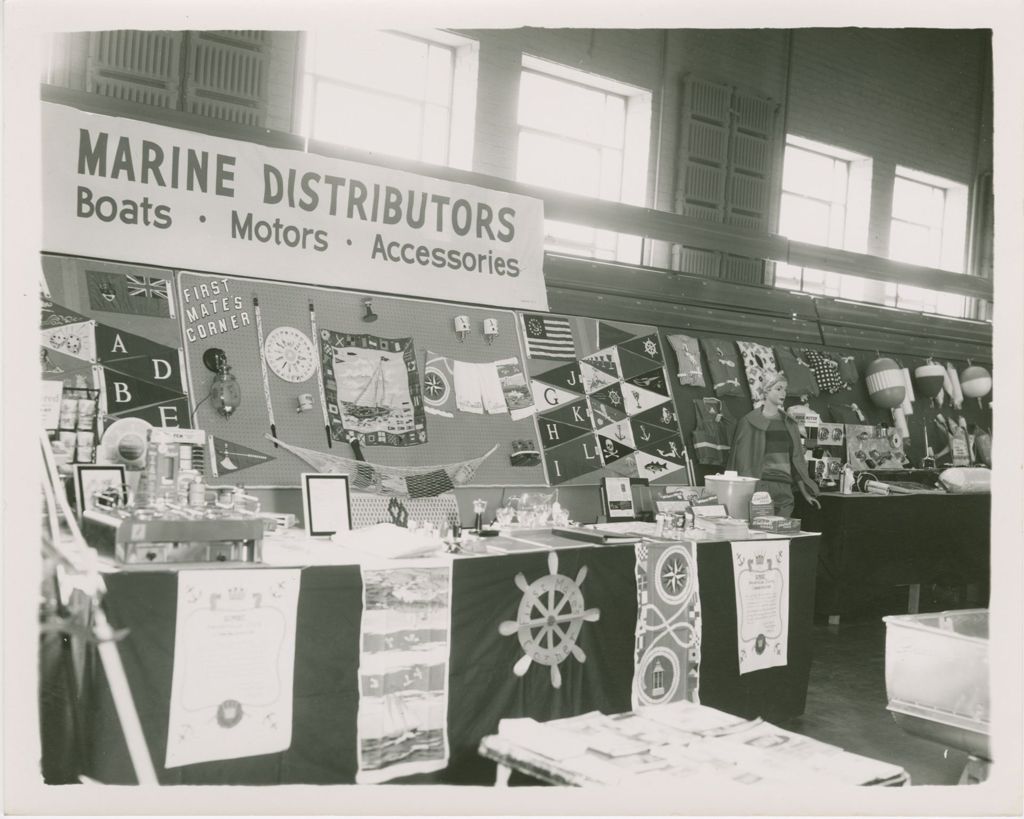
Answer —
(884, 380)
(976, 382)
(930, 378)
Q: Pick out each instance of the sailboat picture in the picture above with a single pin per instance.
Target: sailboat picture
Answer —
(371, 386)
(403, 672)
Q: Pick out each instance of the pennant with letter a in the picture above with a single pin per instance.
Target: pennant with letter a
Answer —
(134, 355)
(227, 456)
(136, 294)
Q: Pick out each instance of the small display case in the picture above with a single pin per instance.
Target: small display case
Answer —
(937, 679)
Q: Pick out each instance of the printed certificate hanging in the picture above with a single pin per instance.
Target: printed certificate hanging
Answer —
(761, 572)
(234, 658)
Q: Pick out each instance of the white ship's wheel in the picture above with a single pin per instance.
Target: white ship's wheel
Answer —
(549, 620)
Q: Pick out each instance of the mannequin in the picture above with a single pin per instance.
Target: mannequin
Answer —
(767, 447)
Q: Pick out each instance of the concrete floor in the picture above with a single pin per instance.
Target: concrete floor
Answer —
(846, 705)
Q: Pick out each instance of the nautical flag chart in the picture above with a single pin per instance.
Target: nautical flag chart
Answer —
(609, 406)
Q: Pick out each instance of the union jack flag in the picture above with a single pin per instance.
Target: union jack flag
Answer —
(146, 286)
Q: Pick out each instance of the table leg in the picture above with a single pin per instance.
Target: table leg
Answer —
(501, 776)
(914, 598)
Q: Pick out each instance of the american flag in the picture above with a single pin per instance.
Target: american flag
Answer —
(147, 286)
(548, 337)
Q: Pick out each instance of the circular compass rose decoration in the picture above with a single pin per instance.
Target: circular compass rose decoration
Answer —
(435, 386)
(674, 573)
(290, 354)
(550, 617)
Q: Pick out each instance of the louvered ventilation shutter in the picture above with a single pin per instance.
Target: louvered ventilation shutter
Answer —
(727, 144)
(136, 66)
(227, 76)
(705, 146)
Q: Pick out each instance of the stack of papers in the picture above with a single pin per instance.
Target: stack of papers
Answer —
(684, 740)
(724, 528)
(388, 541)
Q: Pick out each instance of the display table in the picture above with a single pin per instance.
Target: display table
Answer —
(676, 745)
(482, 688)
(870, 543)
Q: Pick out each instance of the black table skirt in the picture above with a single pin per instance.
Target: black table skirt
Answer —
(482, 688)
(872, 543)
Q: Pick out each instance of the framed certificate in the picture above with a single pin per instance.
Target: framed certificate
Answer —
(326, 504)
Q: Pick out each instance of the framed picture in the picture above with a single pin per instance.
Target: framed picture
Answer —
(618, 499)
(92, 479)
(326, 504)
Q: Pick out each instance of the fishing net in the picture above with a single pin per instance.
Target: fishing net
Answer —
(406, 481)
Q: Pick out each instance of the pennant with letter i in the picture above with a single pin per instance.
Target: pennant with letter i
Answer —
(227, 456)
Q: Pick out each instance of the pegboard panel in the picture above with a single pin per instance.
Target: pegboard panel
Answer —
(218, 311)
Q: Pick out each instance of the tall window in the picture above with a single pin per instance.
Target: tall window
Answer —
(825, 201)
(929, 225)
(392, 93)
(586, 135)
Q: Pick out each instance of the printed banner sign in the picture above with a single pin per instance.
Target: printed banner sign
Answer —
(234, 658)
(402, 723)
(195, 201)
(761, 571)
